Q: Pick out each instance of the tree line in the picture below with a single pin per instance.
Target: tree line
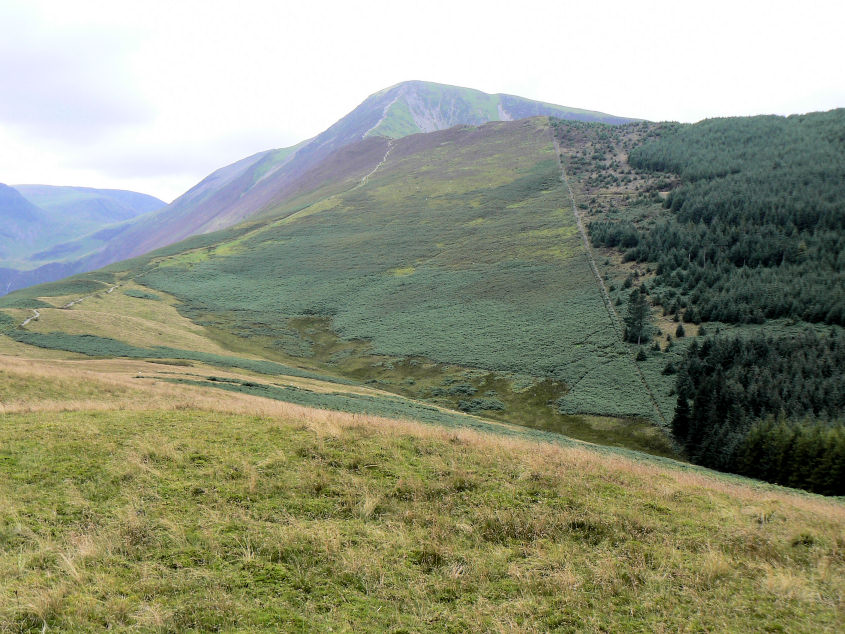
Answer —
(755, 231)
(766, 407)
(758, 225)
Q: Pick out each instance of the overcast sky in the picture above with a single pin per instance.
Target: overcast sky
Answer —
(152, 96)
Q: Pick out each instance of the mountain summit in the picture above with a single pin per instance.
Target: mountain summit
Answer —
(412, 107)
(419, 106)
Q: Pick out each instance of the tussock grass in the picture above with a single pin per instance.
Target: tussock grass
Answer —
(297, 518)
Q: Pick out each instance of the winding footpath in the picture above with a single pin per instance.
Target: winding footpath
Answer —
(366, 177)
(588, 250)
(81, 299)
(35, 316)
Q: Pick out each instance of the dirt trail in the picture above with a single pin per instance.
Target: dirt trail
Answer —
(382, 118)
(81, 299)
(361, 183)
(35, 316)
(366, 177)
(588, 250)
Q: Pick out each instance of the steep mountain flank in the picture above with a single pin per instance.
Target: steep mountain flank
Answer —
(270, 182)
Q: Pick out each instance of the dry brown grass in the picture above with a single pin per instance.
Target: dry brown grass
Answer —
(126, 384)
(138, 322)
(111, 384)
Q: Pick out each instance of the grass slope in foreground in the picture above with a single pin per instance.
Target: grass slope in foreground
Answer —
(180, 519)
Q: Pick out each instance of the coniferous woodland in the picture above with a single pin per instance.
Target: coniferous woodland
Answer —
(766, 407)
(754, 231)
(758, 229)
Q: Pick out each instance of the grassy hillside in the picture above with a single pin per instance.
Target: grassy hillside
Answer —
(453, 273)
(131, 504)
(460, 236)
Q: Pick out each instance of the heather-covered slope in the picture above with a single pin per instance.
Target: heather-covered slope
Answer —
(444, 266)
(271, 180)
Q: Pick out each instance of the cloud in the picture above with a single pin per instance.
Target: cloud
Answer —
(153, 158)
(155, 95)
(66, 86)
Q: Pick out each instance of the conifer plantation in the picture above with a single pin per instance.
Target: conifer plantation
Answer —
(751, 235)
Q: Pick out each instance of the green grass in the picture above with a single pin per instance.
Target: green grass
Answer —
(78, 285)
(187, 520)
(398, 122)
(450, 104)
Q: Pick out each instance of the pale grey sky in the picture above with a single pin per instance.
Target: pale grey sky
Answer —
(154, 95)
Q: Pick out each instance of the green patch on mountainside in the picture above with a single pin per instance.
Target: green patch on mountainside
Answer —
(420, 106)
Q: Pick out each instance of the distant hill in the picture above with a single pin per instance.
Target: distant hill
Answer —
(21, 222)
(43, 226)
(81, 205)
(267, 182)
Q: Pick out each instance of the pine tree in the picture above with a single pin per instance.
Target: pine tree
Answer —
(637, 326)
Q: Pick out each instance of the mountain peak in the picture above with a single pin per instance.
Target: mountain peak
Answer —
(414, 106)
